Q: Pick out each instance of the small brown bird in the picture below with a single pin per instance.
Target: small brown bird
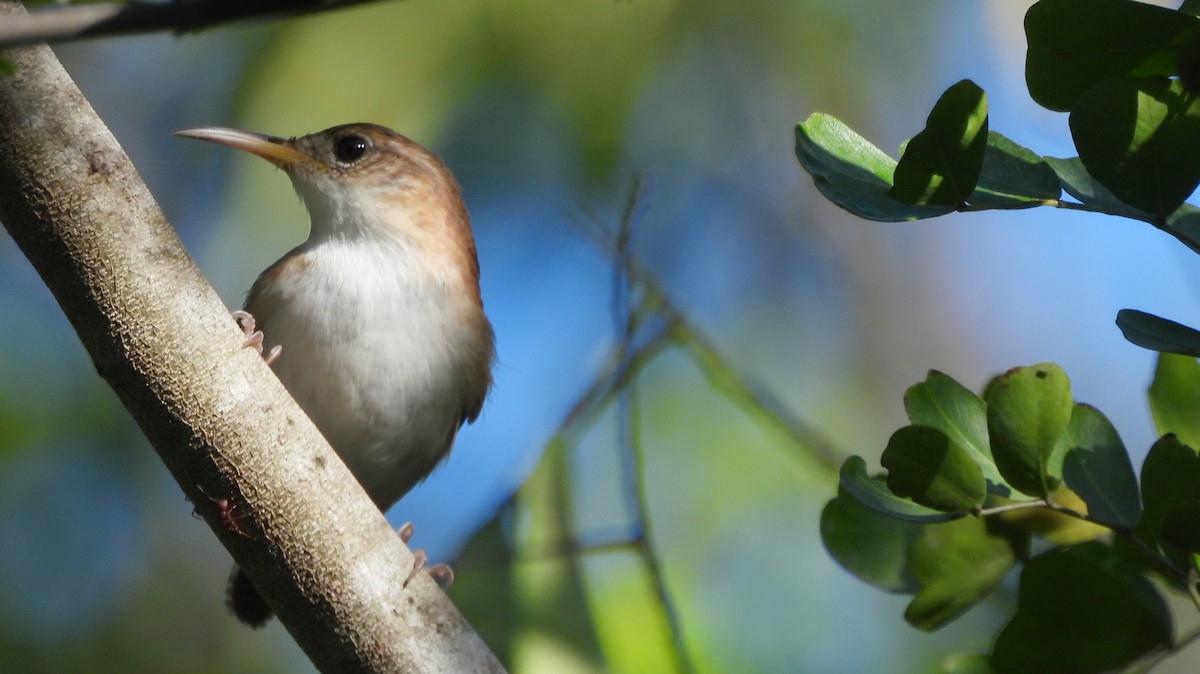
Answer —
(386, 346)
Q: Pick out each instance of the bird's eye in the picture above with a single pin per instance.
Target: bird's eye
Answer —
(350, 149)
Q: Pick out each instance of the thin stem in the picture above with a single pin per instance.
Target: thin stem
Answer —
(737, 388)
(78, 22)
(626, 317)
(1040, 503)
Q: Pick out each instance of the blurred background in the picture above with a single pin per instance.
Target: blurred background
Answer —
(548, 113)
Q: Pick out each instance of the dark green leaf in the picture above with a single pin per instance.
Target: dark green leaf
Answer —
(941, 164)
(1158, 334)
(926, 466)
(1013, 176)
(1181, 527)
(1170, 480)
(1175, 397)
(1138, 138)
(958, 564)
(1076, 44)
(1184, 224)
(6, 67)
(875, 495)
(1081, 610)
(1191, 7)
(853, 173)
(1080, 184)
(872, 546)
(1029, 409)
(945, 404)
(1097, 468)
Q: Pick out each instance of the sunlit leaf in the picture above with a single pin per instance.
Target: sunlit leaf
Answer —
(958, 564)
(975, 663)
(1054, 527)
(1158, 334)
(872, 546)
(927, 466)
(853, 173)
(1080, 609)
(1076, 44)
(941, 164)
(945, 404)
(1029, 409)
(1175, 397)
(1137, 137)
(874, 494)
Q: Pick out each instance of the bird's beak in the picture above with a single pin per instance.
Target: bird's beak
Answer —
(278, 151)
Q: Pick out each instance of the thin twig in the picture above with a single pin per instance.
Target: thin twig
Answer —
(626, 316)
(78, 22)
(738, 388)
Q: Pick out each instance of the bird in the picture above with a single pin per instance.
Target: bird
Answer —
(375, 323)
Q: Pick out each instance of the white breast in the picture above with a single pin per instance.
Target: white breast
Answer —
(377, 350)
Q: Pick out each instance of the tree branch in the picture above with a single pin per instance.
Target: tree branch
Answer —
(258, 471)
(77, 22)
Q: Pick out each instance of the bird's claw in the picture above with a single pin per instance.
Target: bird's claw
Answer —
(254, 337)
(441, 573)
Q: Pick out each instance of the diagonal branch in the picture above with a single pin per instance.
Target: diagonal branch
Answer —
(77, 22)
(305, 532)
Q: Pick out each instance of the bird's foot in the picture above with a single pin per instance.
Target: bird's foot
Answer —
(254, 337)
(441, 573)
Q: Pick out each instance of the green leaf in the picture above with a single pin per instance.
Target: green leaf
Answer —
(945, 404)
(1081, 610)
(874, 494)
(942, 163)
(1097, 468)
(1184, 224)
(1175, 397)
(925, 465)
(1170, 480)
(1181, 527)
(958, 564)
(853, 173)
(974, 663)
(1158, 334)
(1080, 184)
(6, 67)
(871, 546)
(1055, 527)
(1076, 44)
(1013, 176)
(1029, 409)
(1138, 138)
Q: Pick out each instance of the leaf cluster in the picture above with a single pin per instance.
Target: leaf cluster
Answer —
(1023, 476)
(1127, 73)
(977, 484)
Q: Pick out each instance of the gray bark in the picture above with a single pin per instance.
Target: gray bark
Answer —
(256, 468)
